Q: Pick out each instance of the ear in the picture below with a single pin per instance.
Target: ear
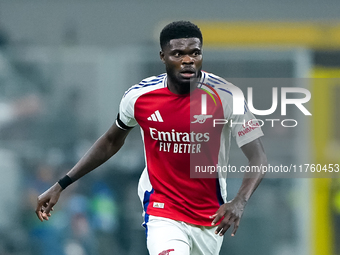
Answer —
(161, 55)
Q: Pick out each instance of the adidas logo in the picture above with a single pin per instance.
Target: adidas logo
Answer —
(156, 116)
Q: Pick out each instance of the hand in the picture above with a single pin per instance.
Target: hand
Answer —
(46, 201)
(232, 212)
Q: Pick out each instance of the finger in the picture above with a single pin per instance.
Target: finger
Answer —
(237, 223)
(219, 211)
(216, 219)
(221, 229)
(224, 225)
(43, 213)
(39, 214)
(44, 216)
(49, 214)
(38, 211)
(49, 207)
(40, 217)
(219, 217)
(227, 226)
(218, 229)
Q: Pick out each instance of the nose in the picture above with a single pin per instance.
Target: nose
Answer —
(187, 60)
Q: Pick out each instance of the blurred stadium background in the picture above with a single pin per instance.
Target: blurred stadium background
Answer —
(64, 66)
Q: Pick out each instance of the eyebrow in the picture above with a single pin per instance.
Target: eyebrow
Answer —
(181, 50)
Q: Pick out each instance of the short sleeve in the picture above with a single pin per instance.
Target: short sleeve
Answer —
(125, 118)
(245, 128)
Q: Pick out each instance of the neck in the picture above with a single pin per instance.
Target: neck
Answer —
(182, 88)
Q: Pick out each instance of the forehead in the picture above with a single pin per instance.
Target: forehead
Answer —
(184, 43)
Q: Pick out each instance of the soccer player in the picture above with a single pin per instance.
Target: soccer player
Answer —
(185, 207)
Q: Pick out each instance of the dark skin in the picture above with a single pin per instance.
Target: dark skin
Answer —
(183, 63)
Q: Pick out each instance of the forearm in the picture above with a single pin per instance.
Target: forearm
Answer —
(256, 160)
(252, 180)
(99, 153)
(103, 149)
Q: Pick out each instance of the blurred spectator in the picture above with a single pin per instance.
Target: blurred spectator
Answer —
(104, 208)
(80, 239)
(105, 218)
(26, 106)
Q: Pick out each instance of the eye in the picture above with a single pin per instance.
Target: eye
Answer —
(177, 54)
(196, 53)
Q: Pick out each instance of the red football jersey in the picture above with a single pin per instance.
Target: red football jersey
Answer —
(182, 140)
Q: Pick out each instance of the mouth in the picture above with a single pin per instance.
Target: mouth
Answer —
(188, 73)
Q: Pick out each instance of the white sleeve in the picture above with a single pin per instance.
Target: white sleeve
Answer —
(126, 118)
(245, 128)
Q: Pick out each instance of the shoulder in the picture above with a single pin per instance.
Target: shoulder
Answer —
(220, 85)
(146, 85)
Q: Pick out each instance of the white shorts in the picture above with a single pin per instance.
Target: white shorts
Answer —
(170, 237)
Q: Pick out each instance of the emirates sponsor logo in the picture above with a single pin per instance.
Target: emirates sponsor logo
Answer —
(179, 142)
(175, 136)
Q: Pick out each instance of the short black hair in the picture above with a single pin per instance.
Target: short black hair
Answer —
(179, 29)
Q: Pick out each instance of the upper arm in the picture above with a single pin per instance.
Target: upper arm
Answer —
(116, 135)
(254, 150)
